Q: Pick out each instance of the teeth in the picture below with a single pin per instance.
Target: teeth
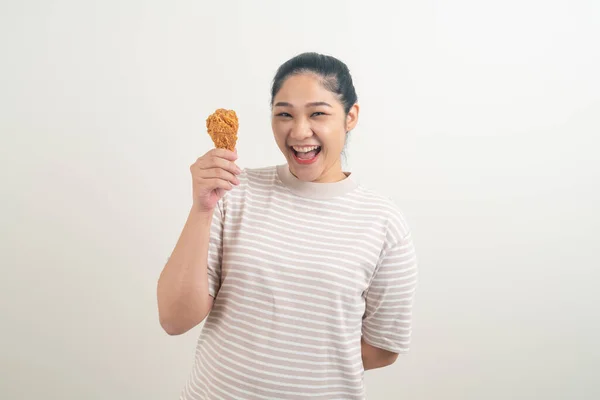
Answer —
(304, 149)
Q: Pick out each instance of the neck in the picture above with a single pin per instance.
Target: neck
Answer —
(332, 174)
(317, 189)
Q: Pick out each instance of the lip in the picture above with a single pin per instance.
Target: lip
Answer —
(304, 162)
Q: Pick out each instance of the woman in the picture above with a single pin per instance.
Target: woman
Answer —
(305, 277)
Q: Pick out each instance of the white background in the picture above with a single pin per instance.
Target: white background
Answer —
(481, 119)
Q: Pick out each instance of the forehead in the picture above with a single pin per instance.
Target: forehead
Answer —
(305, 88)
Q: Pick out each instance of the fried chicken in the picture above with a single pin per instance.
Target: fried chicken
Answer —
(222, 126)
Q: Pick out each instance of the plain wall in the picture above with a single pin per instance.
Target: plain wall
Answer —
(481, 119)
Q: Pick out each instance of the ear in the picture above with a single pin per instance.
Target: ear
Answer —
(352, 117)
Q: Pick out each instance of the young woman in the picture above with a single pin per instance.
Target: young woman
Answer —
(305, 277)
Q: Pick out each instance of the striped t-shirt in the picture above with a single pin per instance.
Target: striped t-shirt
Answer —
(299, 272)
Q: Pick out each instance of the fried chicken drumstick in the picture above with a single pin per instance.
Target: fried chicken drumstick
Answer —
(222, 126)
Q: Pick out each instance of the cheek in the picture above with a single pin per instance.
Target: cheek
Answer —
(333, 135)
(279, 131)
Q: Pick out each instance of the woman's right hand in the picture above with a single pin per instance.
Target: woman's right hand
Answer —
(213, 174)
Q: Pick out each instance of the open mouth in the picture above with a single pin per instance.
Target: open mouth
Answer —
(306, 154)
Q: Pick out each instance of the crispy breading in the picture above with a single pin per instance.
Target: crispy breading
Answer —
(222, 126)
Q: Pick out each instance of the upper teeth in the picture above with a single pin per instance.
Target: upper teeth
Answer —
(304, 149)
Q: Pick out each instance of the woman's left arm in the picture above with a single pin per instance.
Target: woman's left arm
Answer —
(374, 357)
(387, 322)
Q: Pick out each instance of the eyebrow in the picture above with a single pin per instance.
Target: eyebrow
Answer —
(313, 104)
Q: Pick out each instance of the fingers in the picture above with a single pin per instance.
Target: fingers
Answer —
(219, 158)
(219, 173)
(220, 192)
(216, 170)
(224, 153)
(224, 164)
(216, 183)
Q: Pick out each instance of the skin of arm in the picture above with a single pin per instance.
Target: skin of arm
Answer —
(374, 357)
(182, 290)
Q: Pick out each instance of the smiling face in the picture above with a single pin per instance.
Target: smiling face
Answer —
(310, 126)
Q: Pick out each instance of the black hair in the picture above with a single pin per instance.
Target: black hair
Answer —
(334, 74)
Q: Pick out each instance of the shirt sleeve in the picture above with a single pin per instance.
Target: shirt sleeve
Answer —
(387, 321)
(215, 251)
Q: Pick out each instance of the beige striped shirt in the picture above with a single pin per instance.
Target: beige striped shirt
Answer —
(299, 272)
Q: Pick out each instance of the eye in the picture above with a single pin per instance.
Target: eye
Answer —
(283, 114)
(317, 114)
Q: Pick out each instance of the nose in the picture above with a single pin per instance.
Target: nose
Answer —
(301, 130)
